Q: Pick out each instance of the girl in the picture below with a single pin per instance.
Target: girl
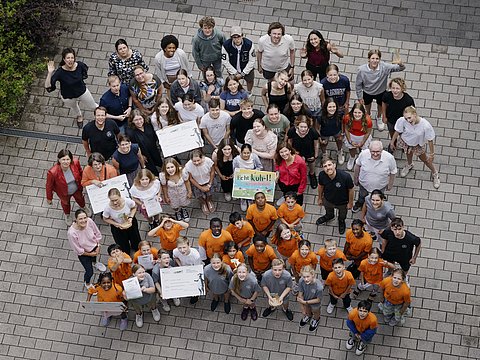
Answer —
(185, 85)
(217, 279)
(245, 288)
(260, 256)
(246, 160)
(146, 248)
(357, 127)
(310, 297)
(296, 107)
(276, 122)
(120, 214)
(107, 290)
(291, 213)
(301, 257)
(232, 95)
(188, 109)
(211, 88)
(201, 173)
(164, 115)
(331, 126)
(223, 160)
(147, 287)
(304, 139)
(146, 187)
(119, 263)
(168, 231)
(311, 93)
(231, 256)
(286, 241)
(176, 188)
(263, 142)
(377, 213)
(413, 133)
(337, 86)
(371, 273)
(164, 261)
(261, 215)
(396, 294)
(277, 91)
(317, 52)
(128, 158)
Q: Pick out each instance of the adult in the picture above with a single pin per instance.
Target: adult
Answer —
(371, 82)
(377, 213)
(128, 158)
(64, 179)
(165, 115)
(188, 109)
(223, 160)
(238, 57)
(123, 61)
(146, 90)
(335, 191)
(169, 60)
(243, 121)
(263, 142)
(291, 171)
(97, 171)
(413, 134)
(337, 86)
(71, 75)
(84, 238)
(211, 87)
(100, 135)
(375, 168)
(277, 91)
(231, 96)
(317, 52)
(296, 107)
(276, 52)
(207, 46)
(276, 122)
(185, 85)
(117, 101)
(215, 124)
(331, 126)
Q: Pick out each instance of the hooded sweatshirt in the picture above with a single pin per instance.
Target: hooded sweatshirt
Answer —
(205, 50)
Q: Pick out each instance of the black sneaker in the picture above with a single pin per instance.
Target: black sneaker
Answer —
(213, 305)
(193, 300)
(313, 181)
(151, 225)
(313, 325)
(323, 219)
(305, 320)
(341, 227)
(289, 314)
(178, 215)
(185, 215)
(267, 311)
(356, 208)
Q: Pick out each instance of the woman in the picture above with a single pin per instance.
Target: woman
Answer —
(296, 107)
(128, 158)
(71, 75)
(331, 126)
(64, 178)
(185, 85)
(357, 127)
(97, 171)
(120, 214)
(123, 61)
(337, 86)
(232, 95)
(223, 159)
(84, 238)
(291, 171)
(188, 109)
(165, 115)
(249, 161)
(141, 132)
(413, 134)
(317, 52)
(263, 142)
(146, 90)
(277, 91)
(211, 87)
(377, 213)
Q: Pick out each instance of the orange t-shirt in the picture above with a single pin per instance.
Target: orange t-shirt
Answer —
(288, 215)
(123, 272)
(238, 235)
(338, 285)
(370, 322)
(297, 261)
(287, 247)
(238, 256)
(261, 219)
(356, 128)
(211, 244)
(326, 261)
(168, 238)
(138, 253)
(112, 295)
(261, 261)
(357, 245)
(395, 295)
(373, 274)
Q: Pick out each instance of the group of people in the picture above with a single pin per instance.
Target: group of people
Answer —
(287, 137)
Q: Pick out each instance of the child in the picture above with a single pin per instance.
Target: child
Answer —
(290, 213)
(242, 232)
(311, 92)
(212, 240)
(260, 256)
(145, 187)
(310, 297)
(357, 127)
(211, 87)
(108, 291)
(215, 124)
(358, 245)
(337, 86)
(164, 261)
(145, 248)
(286, 241)
(176, 188)
(201, 173)
(363, 326)
(246, 160)
(371, 273)
(168, 231)
(340, 283)
(261, 216)
(245, 288)
(231, 256)
(302, 257)
(119, 264)
(396, 295)
(148, 290)
(277, 284)
(207, 46)
(331, 126)
(217, 278)
(232, 95)
(184, 255)
(327, 254)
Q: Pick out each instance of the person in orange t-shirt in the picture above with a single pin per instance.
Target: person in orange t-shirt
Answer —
(231, 256)
(242, 232)
(168, 231)
(261, 216)
(358, 245)
(290, 213)
(260, 256)
(301, 257)
(146, 248)
(286, 241)
(340, 283)
(212, 241)
(396, 295)
(371, 273)
(119, 263)
(327, 254)
(363, 326)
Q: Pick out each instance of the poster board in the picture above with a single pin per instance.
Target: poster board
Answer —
(182, 281)
(180, 138)
(248, 182)
(98, 196)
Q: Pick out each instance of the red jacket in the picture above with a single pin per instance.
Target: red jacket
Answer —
(56, 180)
(294, 174)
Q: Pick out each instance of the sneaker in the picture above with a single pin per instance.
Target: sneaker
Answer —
(178, 215)
(340, 158)
(139, 320)
(313, 325)
(193, 300)
(305, 320)
(393, 322)
(288, 313)
(185, 215)
(156, 315)
(165, 306)
(357, 207)
(360, 348)
(330, 308)
(227, 307)
(228, 197)
(351, 162)
(151, 226)
(214, 305)
(341, 227)
(436, 180)
(105, 320)
(406, 170)
(243, 204)
(244, 313)
(123, 324)
(350, 344)
(176, 302)
(67, 219)
(349, 309)
(380, 307)
(254, 313)
(380, 124)
(100, 267)
(211, 206)
(280, 201)
(89, 286)
(323, 220)
(267, 311)
(313, 180)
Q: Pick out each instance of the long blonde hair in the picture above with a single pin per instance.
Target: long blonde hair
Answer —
(236, 281)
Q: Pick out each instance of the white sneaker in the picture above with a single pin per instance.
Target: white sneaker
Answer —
(380, 124)
(176, 302)
(139, 320)
(243, 204)
(360, 348)
(67, 219)
(330, 308)
(280, 201)
(165, 306)
(351, 162)
(436, 180)
(100, 267)
(89, 286)
(156, 315)
(406, 170)
(228, 197)
(349, 309)
(340, 157)
(350, 344)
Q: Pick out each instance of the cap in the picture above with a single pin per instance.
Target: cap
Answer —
(236, 30)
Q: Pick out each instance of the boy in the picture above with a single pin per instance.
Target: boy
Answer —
(310, 297)
(261, 216)
(207, 46)
(277, 283)
(241, 231)
(363, 326)
(168, 231)
(260, 256)
(119, 264)
(340, 283)
(184, 255)
(327, 254)
(290, 213)
(215, 124)
(243, 121)
(211, 241)
(164, 261)
(358, 245)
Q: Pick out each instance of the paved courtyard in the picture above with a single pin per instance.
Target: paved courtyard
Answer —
(41, 279)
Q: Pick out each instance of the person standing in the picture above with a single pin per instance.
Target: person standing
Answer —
(207, 46)
(117, 101)
(100, 135)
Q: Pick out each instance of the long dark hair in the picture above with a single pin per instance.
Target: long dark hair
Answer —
(289, 111)
(325, 115)
(221, 145)
(363, 119)
(323, 43)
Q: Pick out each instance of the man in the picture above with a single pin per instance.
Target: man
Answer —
(276, 52)
(215, 124)
(207, 46)
(238, 57)
(374, 169)
(335, 191)
(117, 101)
(100, 135)
(243, 121)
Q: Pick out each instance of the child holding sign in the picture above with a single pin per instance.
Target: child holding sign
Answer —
(146, 187)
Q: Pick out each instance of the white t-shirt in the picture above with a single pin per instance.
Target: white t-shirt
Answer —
(200, 173)
(119, 216)
(154, 121)
(310, 95)
(188, 260)
(413, 135)
(146, 194)
(217, 128)
(374, 174)
(275, 57)
(186, 115)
